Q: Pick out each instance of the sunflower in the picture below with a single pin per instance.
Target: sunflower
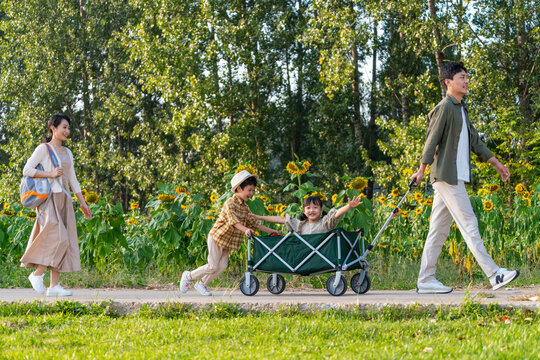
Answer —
(184, 206)
(91, 197)
(188, 234)
(488, 205)
(247, 167)
(209, 217)
(6, 205)
(520, 188)
(319, 195)
(428, 202)
(181, 190)
(358, 183)
(404, 214)
(395, 193)
(417, 196)
(270, 208)
(8, 212)
(134, 205)
(84, 192)
(280, 208)
(292, 167)
(264, 198)
(427, 171)
(164, 198)
(482, 192)
(334, 198)
(31, 215)
(418, 211)
(526, 195)
(493, 188)
(382, 199)
(306, 165)
(407, 172)
(213, 198)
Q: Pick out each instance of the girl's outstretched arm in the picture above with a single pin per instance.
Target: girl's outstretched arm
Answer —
(268, 230)
(354, 202)
(272, 219)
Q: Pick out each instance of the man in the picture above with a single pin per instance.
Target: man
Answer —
(450, 138)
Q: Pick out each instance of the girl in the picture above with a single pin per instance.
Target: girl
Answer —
(53, 243)
(314, 220)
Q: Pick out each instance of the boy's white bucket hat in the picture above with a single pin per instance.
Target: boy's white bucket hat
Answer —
(240, 177)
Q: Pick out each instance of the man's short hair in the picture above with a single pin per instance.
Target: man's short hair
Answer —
(450, 69)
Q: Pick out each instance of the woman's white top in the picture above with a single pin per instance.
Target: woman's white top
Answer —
(41, 156)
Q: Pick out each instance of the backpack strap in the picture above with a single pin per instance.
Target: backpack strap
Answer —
(56, 164)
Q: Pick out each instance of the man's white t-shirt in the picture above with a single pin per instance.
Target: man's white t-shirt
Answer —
(462, 159)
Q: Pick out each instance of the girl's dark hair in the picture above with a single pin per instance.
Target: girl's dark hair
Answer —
(55, 121)
(311, 200)
(252, 180)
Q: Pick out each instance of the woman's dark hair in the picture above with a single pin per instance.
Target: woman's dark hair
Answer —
(55, 121)
(311, 200)
(252, 180)
(450, 69)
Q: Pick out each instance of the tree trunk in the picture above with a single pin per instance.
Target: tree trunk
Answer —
(373, 109)
(439, 56)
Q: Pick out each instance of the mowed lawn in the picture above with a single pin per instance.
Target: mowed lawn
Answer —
(225, 332)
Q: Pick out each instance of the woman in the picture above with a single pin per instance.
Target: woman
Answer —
(53, 243)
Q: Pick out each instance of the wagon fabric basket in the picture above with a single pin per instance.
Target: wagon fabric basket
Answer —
(307, 254)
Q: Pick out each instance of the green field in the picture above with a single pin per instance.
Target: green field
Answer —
(222, 331)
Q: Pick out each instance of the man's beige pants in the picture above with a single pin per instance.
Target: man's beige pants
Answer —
(218, 259)
(452, 202)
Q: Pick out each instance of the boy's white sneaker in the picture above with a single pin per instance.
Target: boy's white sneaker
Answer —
(185, 281)
(502, 277)
(202, 289)
(58, 291)
(37, 282)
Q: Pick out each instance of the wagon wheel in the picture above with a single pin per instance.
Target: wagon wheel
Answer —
(360, 288)
(339, 289)
(251, 288)
(279, 286)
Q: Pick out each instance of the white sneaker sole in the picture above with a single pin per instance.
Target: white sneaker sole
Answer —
(506, 282)
(419, 291)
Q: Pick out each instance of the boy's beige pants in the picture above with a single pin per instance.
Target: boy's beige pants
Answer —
(452, 202)
(217, 263)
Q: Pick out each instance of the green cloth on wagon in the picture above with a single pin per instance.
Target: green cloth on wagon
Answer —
(294, 251)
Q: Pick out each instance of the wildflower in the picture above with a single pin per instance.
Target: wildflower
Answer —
(415, 255)
(91, 197)
(264, 198)
(488, 205)
(188, 234)
(247, 167)
(520, 188)
(383, 244)
(181, 190)
(184, 206)
(31, 215)
(358, 183)
(482, 192)
(134, 205)
(407, 172)
(382, 199)
(213, 198)
(293, 168)
(526, 195)
(494, 188)
(418, 211)
(395, 193)
(428, 202)
(164, 198)
(417, 196)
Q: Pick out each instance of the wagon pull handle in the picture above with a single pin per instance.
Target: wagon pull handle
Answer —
(412, 185)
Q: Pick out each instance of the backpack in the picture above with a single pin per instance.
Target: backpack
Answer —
(35, 191)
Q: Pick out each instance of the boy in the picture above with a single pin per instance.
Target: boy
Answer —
(227, 233)
(450, 138)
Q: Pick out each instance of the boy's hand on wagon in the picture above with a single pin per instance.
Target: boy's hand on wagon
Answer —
(249, 232)
(354, 202)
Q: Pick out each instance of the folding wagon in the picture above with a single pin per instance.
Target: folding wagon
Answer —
(335, 251)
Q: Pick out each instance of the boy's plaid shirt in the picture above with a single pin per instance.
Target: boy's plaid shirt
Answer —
(234, 211)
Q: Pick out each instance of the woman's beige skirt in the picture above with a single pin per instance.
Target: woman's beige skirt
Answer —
(54, 242)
